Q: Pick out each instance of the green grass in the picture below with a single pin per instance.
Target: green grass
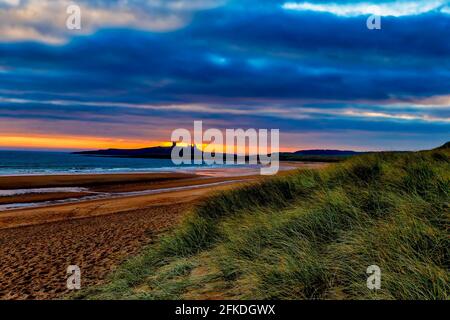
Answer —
(310, 235)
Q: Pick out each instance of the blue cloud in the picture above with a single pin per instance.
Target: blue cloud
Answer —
(262, 65)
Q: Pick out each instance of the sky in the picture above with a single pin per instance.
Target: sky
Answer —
(138, 69)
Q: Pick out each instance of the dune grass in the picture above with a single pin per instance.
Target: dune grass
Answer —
(310, 235)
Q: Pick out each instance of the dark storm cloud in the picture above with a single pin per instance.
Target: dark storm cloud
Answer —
(252, 58)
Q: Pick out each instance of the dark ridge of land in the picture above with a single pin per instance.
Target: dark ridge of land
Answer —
(317, 155)
(151, 152)
(313, 155)
(326, 152)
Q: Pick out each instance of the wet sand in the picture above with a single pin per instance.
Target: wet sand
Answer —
(37, 244)
(85, 209)
(40, 197)
(94, 181)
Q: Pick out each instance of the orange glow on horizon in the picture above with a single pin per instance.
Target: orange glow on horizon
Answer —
(88, 143)
(72, 142)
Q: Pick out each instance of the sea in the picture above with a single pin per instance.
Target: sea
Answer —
(43, 163)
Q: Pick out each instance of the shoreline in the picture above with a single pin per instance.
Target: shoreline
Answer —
(165, 170)
(21, 192)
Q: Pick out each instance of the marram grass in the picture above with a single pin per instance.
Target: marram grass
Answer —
(310, 235)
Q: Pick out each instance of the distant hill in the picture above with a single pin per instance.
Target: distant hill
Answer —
(165, 153)
(151, 152)
(325, 152)
(318, 155)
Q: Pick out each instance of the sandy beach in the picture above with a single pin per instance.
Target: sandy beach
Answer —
(38, 243)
